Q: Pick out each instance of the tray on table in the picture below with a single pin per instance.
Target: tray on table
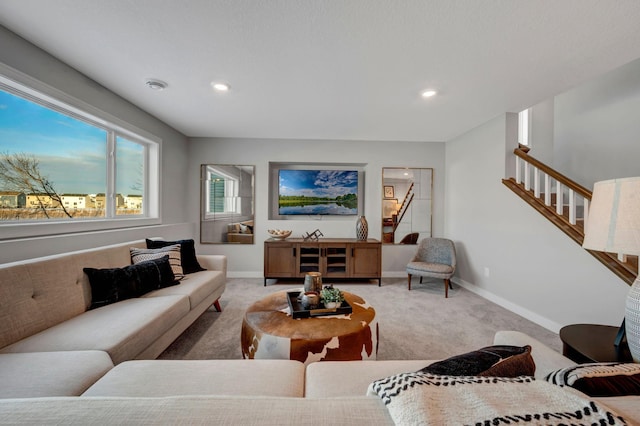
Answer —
(297, 311)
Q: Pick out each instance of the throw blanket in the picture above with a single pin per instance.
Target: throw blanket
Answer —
(427, 399)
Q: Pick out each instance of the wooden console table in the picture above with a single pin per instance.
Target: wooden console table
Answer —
(333, 257)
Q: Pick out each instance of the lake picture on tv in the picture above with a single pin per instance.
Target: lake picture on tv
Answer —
(318, 192)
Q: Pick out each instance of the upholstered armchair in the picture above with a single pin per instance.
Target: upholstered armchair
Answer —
(435, 258)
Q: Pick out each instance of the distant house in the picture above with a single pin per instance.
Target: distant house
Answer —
(12, 199)
(133, 201)
(76, 201)
(35, 201)
(100, 201)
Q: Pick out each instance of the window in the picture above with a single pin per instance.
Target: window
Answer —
(222, 192)
(523, 126)
(62, 165)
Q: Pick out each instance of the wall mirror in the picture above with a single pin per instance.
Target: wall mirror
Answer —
(406, 204)
(226, 204)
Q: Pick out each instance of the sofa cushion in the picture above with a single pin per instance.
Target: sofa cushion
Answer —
(122, 329)
(155, 378)
(37, 374)
(203, 410)
(600, 379)
(197, 286)
(111, 285)
(175, 259)
(187, 253)
(496, 361)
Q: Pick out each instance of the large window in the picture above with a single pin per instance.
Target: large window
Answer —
(60, 165)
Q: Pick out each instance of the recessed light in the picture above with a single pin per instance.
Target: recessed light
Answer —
(428, 93)
(220, 87)
(156, 84)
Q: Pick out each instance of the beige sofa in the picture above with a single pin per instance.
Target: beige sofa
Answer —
(265, 392)
(52, 344)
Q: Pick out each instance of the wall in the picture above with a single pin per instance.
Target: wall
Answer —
(24, 57)
(247, 260)
(597, 129)
(511, 254)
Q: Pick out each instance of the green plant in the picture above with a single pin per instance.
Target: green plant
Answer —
(331, 294)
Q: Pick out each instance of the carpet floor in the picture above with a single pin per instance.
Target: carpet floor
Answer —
(416, 324)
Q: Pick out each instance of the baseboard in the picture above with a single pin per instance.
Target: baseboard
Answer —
(517, 309)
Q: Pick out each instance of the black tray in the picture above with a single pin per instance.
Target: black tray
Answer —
(297, 311)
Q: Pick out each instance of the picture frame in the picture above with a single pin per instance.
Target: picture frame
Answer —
(388, 192)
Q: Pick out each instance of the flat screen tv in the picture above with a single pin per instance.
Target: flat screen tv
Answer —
(317, 192)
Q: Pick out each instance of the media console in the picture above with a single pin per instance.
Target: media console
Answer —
(346, 258)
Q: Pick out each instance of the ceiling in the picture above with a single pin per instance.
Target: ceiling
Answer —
(333, 69)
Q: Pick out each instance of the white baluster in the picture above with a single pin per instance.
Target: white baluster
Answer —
(559, 198)
(527, 176)
(547, 189)
(586, 212)
(572, 206)
(518, 166)
(536, 182)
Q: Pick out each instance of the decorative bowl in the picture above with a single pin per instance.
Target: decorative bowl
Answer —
(279, 234)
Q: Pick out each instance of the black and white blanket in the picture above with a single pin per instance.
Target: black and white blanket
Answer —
(426, 399)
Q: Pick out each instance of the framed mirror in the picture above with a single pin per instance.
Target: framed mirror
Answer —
(226, 204)
(406, 204)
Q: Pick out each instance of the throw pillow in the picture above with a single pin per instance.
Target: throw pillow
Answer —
(173, 251)
(111, 285)
(600, 379)
(187, 252)
(495, 361)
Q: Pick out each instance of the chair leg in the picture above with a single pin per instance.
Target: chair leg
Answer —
(446, 288)
(409, 281)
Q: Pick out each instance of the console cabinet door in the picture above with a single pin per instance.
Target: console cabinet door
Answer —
(280, 260)
(335, 260)
(365, 260)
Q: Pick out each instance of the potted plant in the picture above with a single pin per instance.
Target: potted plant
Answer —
(331, 297)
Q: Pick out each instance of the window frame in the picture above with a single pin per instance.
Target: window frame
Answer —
(231, 185)
(22, 85)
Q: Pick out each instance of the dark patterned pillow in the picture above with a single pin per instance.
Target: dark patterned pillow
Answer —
(111, 285)
(495, 361)
(600, 379)
(187, 253)
(175, 259)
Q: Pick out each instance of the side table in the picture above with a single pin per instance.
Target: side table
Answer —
(585, 343)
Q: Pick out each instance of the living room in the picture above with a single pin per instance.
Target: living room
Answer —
(508, 253)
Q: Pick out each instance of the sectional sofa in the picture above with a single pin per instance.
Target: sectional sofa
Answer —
(53, 343)
(63, 363)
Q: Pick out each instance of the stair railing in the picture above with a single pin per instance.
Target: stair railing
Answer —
(565, 203)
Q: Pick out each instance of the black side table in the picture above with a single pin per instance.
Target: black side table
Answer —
(584, 343)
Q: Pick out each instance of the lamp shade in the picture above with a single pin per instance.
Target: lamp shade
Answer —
(613, 224)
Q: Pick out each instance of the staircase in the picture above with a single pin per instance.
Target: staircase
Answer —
(406, 202)
(565, 203)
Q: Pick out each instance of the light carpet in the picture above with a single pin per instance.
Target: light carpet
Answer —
(416, 324)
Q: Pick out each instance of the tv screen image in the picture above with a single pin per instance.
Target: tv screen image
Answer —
(318, 192)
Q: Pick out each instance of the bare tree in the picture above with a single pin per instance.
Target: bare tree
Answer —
(21, 172)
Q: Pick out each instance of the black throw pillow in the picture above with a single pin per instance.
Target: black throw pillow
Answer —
(187, 253)
(111, 285)
(494, 361)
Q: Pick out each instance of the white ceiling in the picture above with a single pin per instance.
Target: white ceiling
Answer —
(333, 69)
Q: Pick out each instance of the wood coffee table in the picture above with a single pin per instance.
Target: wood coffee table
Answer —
(269, 331)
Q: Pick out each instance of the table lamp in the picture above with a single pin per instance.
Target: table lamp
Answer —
(613, 226)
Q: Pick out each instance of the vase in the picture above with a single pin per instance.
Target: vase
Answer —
(362, 228)
(313, 282)
(632, 320)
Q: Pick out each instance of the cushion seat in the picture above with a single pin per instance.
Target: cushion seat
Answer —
(436, 270)
(30, 375)
(162, 378)
(122, 329)
(196, 286)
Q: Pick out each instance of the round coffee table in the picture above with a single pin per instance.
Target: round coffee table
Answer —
(269, 331)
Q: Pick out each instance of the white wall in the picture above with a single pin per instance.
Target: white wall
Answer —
(534, 268)
(597, 127)
(24, 57)
(247, 260)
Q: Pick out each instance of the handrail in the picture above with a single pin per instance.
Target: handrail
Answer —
(554, 174)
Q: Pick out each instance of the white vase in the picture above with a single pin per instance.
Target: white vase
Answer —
(362, 228)
(632, 320)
